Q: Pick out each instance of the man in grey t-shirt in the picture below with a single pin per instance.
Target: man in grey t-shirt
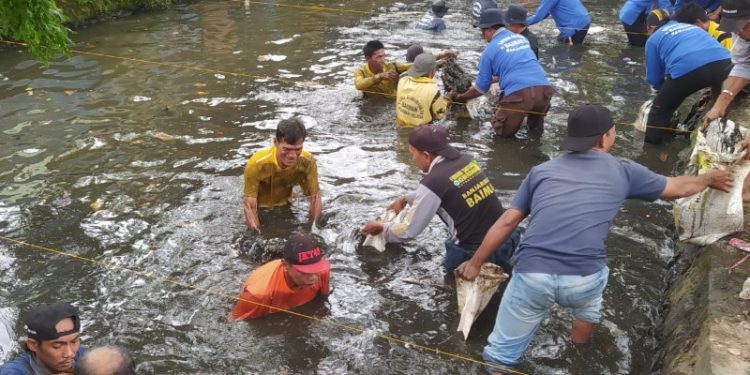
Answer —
(571, 202)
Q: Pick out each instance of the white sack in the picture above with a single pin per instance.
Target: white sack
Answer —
(473, 296)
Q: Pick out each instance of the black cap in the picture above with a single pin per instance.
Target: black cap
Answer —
(303, 252)
(516, 14)
(490, 17)
(434, 139)
(734, 15)
(585, 125)
(41, 321)
(657, 17)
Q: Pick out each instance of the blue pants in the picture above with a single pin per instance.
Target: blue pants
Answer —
(526, 302)
(457, 254)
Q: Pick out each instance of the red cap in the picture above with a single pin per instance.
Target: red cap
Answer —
(303, 252)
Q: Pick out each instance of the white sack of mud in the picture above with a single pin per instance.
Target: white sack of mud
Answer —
(711, 214)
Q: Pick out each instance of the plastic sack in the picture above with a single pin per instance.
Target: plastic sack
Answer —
(473, 296)
(641, 121)
(378, 240)
(711, 214)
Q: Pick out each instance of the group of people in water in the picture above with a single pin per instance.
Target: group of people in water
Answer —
(569, 201)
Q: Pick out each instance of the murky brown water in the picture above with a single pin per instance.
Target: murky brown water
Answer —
(159, 150)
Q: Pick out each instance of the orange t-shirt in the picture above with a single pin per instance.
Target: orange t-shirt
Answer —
(267, 286)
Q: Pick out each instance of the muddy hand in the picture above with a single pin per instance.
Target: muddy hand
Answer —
(467, 271)
(372, 227)
(720, 180)
(712, 114)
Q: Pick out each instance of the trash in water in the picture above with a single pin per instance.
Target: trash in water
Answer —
(712, 214)
(745, 293)
(456, 79)
(640, 122)
(473, 296)
(378, 240)
(271, 58)
(163, 136)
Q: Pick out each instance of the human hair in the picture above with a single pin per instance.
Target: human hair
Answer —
(291, 131)
(689, 13)
(106, 360)
(371, 47)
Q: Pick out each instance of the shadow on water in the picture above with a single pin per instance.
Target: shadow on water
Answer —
(140, 165)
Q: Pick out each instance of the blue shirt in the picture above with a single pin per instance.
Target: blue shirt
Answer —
(24, 365)
(571, 202)
(509, 56)
(431, 22)
(569, 15)
(709, 5)
(632, 9)
(676, 49)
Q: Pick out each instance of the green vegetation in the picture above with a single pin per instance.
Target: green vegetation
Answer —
(42, 23)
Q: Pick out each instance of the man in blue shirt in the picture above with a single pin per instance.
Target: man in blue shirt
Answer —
(680, 60)
(571, 202)
(571, 18)
(633, 17)
(54, 342)
(433, 20)
(523, 83)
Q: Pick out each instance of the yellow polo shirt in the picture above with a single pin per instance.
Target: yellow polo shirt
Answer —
(418, 102)
(724, 38)
(365, 80)
(271, 185)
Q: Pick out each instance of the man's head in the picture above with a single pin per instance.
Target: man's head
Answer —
(53, 333)
(490, 21)
(655, 19)
(694, 14)
(426, 142)
(375, 55)
(412, 52)
(735, 17)
(439, 8)
(304, 260)
(515, 18)
(424, 66)
(290, 136)
(590, 127)
(106, 360)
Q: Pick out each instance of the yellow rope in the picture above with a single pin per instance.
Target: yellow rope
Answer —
(405, 343)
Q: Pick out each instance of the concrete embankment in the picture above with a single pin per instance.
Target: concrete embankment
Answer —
(706, 326)
(82, 11)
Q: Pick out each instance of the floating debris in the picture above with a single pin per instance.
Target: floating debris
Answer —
(270, 57)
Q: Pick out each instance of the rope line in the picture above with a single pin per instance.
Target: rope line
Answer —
(165, 280)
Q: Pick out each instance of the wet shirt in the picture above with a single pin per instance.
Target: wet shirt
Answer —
(431, 22)
(533, 41)
(571, 202)
(740, 57)
(418, 102)
(26, 365)
(462, 196)
(569, 15)
(365, 80)
(509, 56)
(271, 185)
(267, 286)
(676, 49)
(632, 9)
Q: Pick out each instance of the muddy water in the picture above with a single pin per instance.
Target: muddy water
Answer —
(140, 165)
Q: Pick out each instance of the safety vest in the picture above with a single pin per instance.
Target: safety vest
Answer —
(418, 102)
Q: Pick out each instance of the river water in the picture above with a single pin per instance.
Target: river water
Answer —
(139, 165)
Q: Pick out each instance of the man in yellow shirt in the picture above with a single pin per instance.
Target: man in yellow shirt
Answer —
(694, 14)
(271, 173)
(418, 99)
(377, 76)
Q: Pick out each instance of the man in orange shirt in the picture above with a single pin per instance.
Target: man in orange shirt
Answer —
(285, 283)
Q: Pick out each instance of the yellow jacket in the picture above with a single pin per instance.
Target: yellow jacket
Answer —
(724, 38)
(365, 80)
(418, 102)
(271, 185)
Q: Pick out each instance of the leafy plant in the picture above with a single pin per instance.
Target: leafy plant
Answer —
(39, 23)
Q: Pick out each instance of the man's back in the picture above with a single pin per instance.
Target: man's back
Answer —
(509, 56)
(418, 102)
(571, 202)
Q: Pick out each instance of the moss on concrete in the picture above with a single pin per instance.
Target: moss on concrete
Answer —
(81, 11)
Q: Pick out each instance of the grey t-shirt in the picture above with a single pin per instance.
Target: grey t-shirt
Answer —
(740, 57)
(571, 202)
